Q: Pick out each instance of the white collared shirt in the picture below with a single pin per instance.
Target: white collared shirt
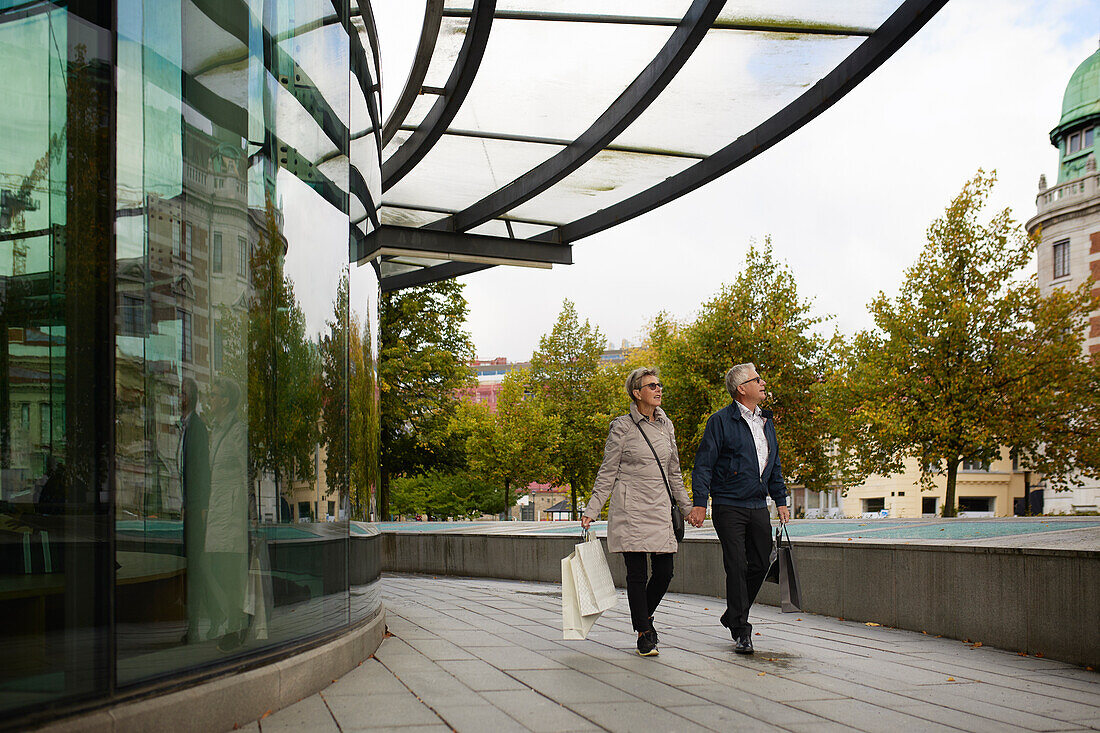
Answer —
(756, 425)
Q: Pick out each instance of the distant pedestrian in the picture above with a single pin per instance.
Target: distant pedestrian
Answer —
(640, 516)
(737, 466)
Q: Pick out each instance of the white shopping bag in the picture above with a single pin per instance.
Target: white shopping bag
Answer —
(587, 589)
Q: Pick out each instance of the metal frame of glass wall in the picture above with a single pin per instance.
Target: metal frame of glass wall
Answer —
(188, 384)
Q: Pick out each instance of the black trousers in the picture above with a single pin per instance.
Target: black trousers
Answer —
(645, 594)
(746, 537)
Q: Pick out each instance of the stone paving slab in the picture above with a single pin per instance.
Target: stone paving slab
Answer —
(477, 654)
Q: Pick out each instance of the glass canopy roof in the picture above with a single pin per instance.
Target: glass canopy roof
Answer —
(525, 125)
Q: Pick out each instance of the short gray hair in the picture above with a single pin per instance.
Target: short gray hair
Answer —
(634, 381)
(230, 390)
(738, 375)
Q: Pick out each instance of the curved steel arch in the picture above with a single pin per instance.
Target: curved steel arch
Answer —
(429, 34)
(909, 18)
(629, 105)
(446, 107)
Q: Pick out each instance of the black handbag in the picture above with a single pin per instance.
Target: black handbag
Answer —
(677, 517)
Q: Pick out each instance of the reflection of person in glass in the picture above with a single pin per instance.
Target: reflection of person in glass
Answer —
(226, 546)
(193, 460)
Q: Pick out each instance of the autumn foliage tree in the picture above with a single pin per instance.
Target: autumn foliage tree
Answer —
(969, 359)
(759, 318)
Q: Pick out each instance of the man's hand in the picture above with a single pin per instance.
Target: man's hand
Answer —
(585, 521)
(784, 514)
(697, 515)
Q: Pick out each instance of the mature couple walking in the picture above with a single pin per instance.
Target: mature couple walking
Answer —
(737, 467)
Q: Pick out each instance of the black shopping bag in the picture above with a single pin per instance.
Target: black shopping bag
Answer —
(790, 594)
(773, 561)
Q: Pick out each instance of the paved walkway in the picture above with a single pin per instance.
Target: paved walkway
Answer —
(487, 655)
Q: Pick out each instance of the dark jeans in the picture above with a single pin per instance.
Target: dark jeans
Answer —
(746, 537)
(644, 596)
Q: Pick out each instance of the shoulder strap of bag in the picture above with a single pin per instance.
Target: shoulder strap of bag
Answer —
(667, 487)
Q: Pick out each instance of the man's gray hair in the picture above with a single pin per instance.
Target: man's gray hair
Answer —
(230, 390)
(738, 375)
(634, 381)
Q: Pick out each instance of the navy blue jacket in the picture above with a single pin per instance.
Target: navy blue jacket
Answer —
(727, 469)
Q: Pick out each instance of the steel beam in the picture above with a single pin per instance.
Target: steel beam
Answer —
(477, 248)
(428, 275)
(634, 100)
(560, 142)
(425, 49)
(909, 18)
(446, 107)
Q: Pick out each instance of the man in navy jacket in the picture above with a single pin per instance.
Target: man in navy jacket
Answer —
(737, 466)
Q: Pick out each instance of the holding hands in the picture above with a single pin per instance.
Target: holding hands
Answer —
(696, 516)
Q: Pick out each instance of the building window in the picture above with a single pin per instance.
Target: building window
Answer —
(44, 422)
(25, 415)
(242, 256)
(1088, 138)
(175, 226)
(303, 511)
(1061, 259)
(976, 504)
(928, 506)
(131, 316)
(1074, 143)
(332, 508)
(186, 348)
(217, 348)
(188, 232)
(970, 465)
(216, 253)
(875, 505)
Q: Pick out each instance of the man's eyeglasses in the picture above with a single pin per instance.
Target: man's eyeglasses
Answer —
(758, 380)
(653, 385)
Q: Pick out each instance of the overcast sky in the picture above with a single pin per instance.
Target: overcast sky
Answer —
(846, 200)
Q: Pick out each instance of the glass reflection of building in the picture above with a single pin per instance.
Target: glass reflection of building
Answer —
(187, 350)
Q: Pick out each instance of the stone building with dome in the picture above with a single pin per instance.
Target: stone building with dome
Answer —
(1068, 221)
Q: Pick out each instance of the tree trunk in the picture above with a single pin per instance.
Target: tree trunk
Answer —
(573, 495)
(949, 506)
(384, 495)
(507, 493)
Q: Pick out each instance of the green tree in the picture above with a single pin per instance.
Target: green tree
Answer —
(969, 358)
(335, 397)
(423, 359)
(363, 425)
(581, 392)
(445, 494)
(515, 445)
(762, 319)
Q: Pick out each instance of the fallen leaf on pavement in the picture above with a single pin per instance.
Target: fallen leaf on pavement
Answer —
(950, 679)
(872, 623)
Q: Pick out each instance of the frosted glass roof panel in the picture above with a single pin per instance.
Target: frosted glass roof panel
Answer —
(407, 217)
(295, 126)
(606, 179)
(634, 8)
(867, 14)
(458, 171)
(554, 79)
(207, 43)
(734, 81)
(452, 32)
(492, 228)
(523, 230)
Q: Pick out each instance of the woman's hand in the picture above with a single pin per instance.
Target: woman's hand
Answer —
(585, 521)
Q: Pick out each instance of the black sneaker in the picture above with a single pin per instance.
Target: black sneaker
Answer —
(647, 644)
(744, 645)
(656, 639)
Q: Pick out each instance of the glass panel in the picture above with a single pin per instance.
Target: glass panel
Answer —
(53, 304)
(523, 230)
(636, 8)
(492, 228)
(448, 44)
(734, 81)
(526, 85)
(397, 216)
(221, 367)
(460, 170)
(863, 14)
(606, 179)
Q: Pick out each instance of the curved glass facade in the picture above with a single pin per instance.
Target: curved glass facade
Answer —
(188, 394)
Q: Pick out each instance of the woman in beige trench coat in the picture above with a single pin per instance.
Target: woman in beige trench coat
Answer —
(640, 516)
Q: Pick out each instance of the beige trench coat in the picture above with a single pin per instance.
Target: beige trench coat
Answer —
(640, 516)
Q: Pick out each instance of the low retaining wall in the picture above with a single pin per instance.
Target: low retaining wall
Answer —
(1029, 600)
